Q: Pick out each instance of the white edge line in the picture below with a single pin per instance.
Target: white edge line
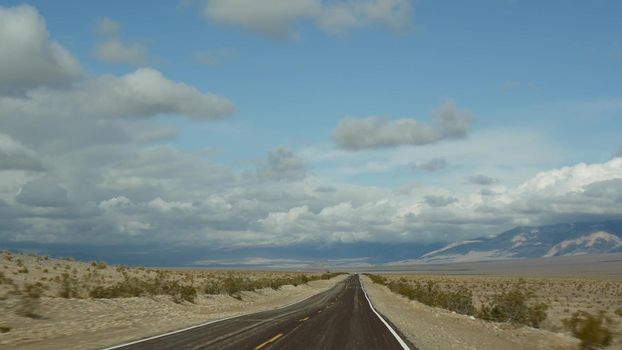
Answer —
(204, 324)
(399, 340)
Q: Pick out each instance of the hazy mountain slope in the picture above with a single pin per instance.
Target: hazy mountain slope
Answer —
(534, 241)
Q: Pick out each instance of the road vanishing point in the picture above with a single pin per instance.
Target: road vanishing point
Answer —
(341, 318)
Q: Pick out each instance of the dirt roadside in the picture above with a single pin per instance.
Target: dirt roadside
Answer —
(97, 323)
(432, 328)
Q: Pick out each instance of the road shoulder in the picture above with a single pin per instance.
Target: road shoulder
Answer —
(433, 328)
(100, 323)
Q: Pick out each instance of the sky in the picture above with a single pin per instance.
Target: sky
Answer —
(237, 125)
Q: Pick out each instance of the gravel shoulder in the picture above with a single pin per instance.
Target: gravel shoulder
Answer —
(432, 328)
(98, 323)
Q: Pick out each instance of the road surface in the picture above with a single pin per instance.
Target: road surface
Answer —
(339, 318)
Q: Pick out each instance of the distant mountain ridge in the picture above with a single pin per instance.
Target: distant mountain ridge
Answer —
(533, 242)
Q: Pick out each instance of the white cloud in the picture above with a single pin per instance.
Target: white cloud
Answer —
(571, 179)
(162, 205)
(375, 132)
(278, 18)
(581, 192)
(28, 59)
(77, 162)
(142, 93)
(341, 222)
(86, 163)
(115, 52)
(270, 17)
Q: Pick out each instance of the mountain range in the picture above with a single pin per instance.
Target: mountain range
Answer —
(518, 243)
(532, 242)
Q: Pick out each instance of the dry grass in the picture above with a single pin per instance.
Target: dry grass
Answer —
(593, 330)
(540, 302)
(44, 298)
(21, 274)
(30, 277)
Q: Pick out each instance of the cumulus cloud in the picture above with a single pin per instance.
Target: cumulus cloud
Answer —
(78, 162)
(116, 52)
(277, 18)
(342, 222)
(28, 58)
(143, 93)
(356, 134)
(281, 164)
(162, 205)
(576, 193)
(376, 132)
(571, 178)
(483, 180)
(159, 190)
(87, 164)
(273, 17)
(618, 154)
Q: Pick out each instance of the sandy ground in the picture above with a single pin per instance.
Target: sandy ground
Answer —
(87, 323)
(432, 328)
(563, 295)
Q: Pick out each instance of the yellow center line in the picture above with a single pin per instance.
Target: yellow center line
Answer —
(268, 341)
(304, 319)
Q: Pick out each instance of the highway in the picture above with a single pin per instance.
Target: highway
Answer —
(339, 318)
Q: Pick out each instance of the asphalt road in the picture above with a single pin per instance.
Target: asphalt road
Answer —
(339, 318)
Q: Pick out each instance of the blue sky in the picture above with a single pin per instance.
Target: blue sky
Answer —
(516, 63)
(357, 99)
